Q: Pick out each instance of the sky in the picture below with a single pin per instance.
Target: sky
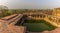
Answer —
(30, 4)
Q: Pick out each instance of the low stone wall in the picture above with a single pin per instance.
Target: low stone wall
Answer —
(57, 24)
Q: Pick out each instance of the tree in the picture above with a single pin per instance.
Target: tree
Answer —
(3, 9)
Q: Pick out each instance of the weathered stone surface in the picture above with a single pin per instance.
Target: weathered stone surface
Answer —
(57, 30)
(9, 28)
(45, 32)
(4, 28)
(16, 29)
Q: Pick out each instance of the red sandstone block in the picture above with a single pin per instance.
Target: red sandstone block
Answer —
(45, 32)
(2, 20)
(16, 29)
(8, 17)
(57, 30)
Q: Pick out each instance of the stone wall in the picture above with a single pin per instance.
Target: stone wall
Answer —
(56, 12)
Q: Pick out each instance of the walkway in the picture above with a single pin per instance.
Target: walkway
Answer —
(7, 24)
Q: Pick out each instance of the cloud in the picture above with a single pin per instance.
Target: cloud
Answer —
(31, 3)
(4, 2)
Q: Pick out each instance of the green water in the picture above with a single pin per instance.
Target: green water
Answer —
(38, 25)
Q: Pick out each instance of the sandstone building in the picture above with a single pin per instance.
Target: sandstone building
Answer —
(56, 12)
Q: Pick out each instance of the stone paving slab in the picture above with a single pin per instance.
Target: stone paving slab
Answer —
(16, 29)
(9, 17)
(4, 28)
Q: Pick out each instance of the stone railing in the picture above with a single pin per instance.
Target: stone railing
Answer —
(49, 18)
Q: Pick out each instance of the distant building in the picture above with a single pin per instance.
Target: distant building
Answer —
(56, 12)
